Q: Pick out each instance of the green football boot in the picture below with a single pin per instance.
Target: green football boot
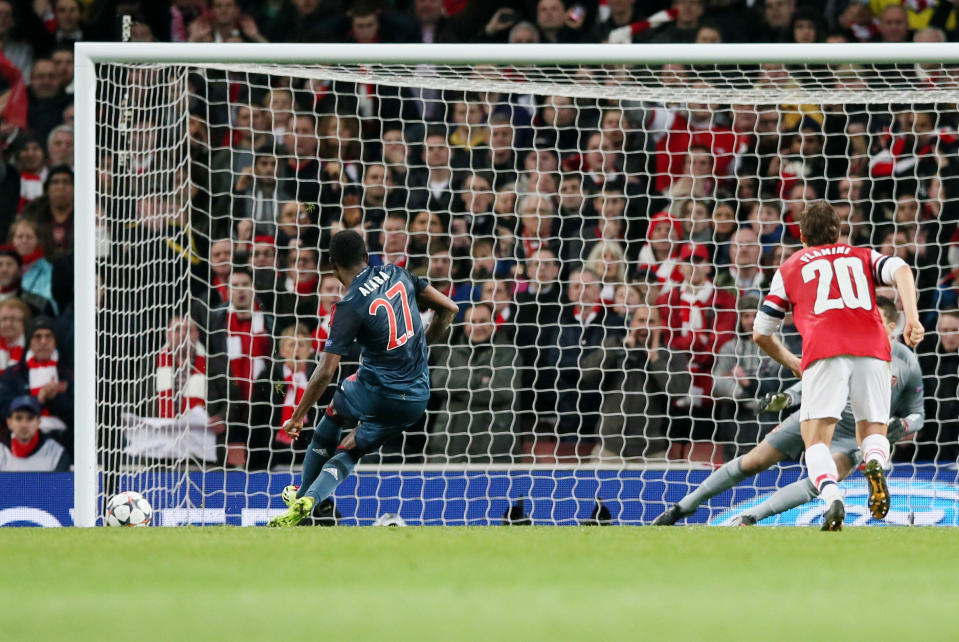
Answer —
(298, 510)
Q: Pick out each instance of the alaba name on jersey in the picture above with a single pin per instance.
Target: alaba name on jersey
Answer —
(831, 290)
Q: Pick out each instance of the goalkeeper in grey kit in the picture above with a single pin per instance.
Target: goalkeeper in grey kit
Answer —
(785, 442)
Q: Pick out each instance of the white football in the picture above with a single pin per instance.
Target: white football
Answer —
(128, 508)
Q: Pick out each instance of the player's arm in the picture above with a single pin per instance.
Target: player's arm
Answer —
(769, 319)
(892, 270)
(444, 308)
(909, 410)
(322, 376)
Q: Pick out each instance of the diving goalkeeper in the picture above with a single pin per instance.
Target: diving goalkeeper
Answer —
(785, 442)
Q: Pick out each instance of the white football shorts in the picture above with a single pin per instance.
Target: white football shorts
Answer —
(865, 381)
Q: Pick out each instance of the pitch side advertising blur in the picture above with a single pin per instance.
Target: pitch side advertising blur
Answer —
(922, 496)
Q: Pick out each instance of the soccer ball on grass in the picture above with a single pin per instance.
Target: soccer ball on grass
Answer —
(128, 508)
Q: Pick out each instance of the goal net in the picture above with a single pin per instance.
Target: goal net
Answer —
(608, 231)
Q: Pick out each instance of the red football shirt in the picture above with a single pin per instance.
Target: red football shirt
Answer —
(831, 290)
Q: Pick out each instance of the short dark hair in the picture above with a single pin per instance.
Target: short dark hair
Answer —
(242, 269)
(888, 307)
(436, 130)
(347, 249)
(819, 224)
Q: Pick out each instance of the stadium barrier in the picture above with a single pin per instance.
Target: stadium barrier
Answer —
(923, 495)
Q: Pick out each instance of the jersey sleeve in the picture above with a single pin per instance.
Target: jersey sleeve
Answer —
(344, 326)
(774, 307)
(419, 283)
(884, 267)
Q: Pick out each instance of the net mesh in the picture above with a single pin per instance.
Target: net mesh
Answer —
(607, 232)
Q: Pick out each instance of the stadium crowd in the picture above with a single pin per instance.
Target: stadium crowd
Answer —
(608, 256)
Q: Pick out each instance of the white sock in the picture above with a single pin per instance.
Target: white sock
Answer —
(822, 472)
(875, 447)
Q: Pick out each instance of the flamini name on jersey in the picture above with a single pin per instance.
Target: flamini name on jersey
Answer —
(809, 255)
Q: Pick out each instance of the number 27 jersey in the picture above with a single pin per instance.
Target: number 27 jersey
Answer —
(831, 290)
(379, 312)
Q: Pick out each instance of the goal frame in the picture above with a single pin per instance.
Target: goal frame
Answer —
(88, 54)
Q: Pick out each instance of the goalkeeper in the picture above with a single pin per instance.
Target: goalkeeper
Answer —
(785, 442)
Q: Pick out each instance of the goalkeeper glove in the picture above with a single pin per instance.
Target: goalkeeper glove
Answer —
(896, 429)
(776, 401)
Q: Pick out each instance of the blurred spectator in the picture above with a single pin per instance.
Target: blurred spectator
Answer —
(700, 318)
(639, 380)
(263, 263)
(393, 239)
(778, 15)
(536, 231)
(11, 283)
(16, 46)
(53, 213)
(31, 161)
(479, 376)
(745, 275)
(537, 333)
(257, 195)
(43, 375)
(46, 97)
(607, 260)
(36, 272)
(331, 290)
(299, 174)
(188, 389)
(221, 265)
(63, 59)
(298, 298)
(224, 22)
(556, 23)
(432, 185)
(27, 449)
(939, 357)
(742, 374)
(584, 325)
(663, 242)
(14, 315)
(60, 145)
(275, 396)
(894, 24)
(241, 333)
(685, 25)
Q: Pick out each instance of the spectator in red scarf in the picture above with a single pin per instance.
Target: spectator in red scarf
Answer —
(275, 396)
(53, 212)
(221, 264)
(663, 239)
(27, 449)
(31, 161)
(41, 374)
(496, 294)
(698, 317)
(241, 331)
(14, 314)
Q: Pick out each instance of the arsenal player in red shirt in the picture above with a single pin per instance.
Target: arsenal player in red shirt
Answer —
(830, 288)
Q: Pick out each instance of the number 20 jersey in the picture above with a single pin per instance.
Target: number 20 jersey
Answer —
(831, 291)
(379, 312)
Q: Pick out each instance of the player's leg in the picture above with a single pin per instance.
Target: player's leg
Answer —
(792, 495)
(870, 402)
(761, 457)
(825, 390)
(322, 447)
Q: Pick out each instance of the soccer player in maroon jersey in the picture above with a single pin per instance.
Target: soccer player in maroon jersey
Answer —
(830, 288)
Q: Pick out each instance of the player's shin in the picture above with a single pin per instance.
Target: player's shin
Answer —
(322, 447)
(332, 475)
(723, 478)
(875, 447)
(823, 473)
(790, 496)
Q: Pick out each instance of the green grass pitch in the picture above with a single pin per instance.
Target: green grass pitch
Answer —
(487, 583)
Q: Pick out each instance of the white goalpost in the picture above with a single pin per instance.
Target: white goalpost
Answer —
(624, 377)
